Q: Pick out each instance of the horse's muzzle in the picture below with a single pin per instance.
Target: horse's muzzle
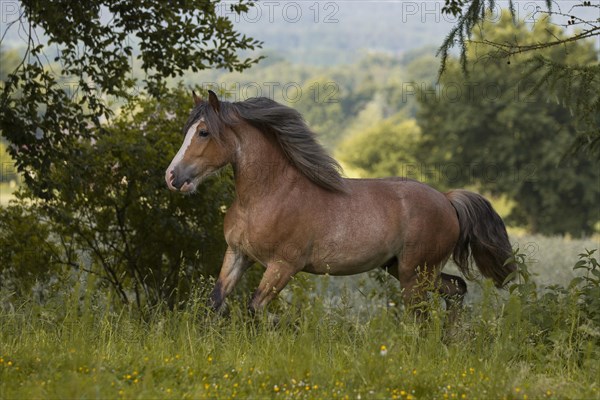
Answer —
(178, 183)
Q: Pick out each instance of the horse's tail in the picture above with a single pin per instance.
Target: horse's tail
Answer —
(481, 229)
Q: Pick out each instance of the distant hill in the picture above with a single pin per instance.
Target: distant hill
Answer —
(328, 33)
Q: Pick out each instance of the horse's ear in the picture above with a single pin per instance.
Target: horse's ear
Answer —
(213, 101)
(197, 99)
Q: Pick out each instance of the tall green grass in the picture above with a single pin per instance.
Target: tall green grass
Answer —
(504, 346)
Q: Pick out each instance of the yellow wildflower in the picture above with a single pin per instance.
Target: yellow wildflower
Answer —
(383, 350)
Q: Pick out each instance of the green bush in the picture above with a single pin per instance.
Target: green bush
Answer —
(114, 216)
(27, 256)
(587, 287)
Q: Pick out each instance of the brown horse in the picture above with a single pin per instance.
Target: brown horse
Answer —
(294, 211)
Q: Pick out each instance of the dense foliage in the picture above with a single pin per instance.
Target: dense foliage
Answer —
(574, 81)
(27, 250)
(511, 140)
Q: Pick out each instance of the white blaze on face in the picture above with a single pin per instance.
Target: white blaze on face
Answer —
(179, 156)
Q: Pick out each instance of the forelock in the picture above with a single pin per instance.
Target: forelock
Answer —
(214, 121)
(197, 113)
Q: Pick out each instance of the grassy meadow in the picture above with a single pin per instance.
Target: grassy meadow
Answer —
(335, 338)
(325, 338)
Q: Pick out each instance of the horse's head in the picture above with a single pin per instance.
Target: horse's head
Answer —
(205, 147)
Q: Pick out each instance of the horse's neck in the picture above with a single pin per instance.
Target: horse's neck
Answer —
(261, 168)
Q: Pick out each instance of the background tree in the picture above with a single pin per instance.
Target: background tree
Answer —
(575, 83)
(508, 140)
(389, 148)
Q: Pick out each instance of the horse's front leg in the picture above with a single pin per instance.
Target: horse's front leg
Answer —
(275, 278)
(235, 263)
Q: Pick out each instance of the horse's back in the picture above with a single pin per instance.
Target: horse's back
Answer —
(407, 198)
(411, 195)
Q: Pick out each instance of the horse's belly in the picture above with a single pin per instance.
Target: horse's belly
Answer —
(350, 265)
(358, 244)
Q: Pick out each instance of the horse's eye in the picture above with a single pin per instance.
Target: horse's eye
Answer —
(203, 133)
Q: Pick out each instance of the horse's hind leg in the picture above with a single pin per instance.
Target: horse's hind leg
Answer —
(415, 286)
(452, 288)
(415, 283)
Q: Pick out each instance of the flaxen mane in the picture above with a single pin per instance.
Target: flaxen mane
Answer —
(296, 139)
